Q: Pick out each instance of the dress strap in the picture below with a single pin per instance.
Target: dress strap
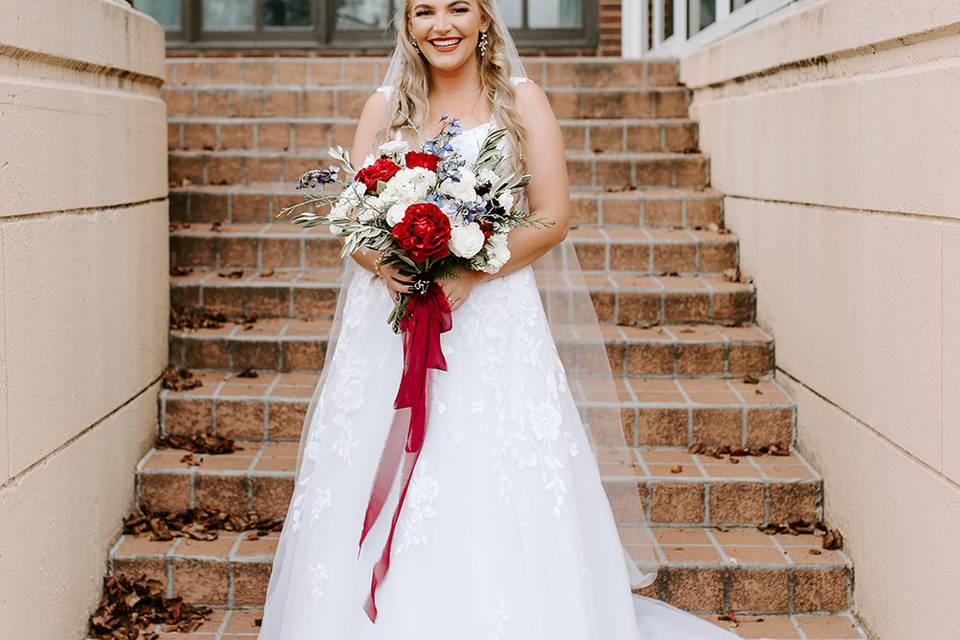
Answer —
(518, 79)
(385, 89)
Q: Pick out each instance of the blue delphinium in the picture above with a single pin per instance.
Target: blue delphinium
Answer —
(318, 177)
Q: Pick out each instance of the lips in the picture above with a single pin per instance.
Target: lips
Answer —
(445, 44)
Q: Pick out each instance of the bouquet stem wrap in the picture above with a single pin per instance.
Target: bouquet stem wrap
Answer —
(427, 316)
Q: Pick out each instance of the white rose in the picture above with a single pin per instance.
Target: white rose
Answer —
(395, 214)
(466, 241)
(393, 147)
(409, 185)
(348, 199)
(506, 201)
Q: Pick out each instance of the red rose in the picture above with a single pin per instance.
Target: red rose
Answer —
(425, 160)
(381, 170)
(424, 232)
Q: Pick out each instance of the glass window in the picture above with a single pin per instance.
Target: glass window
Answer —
(363, 14)
(700, 15)
(667, 18)
(166, 12)
(287, 13)
(228, 14)
(547, 14)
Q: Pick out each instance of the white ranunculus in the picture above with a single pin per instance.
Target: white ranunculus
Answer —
(506, 201)
(395, 213)
(466, 241)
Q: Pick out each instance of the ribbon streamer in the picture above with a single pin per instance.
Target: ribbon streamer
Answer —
(426, 317)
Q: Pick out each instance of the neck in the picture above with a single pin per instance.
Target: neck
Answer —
(464, 79)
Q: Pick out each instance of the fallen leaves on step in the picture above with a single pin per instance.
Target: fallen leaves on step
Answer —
(208, 442)
(129, 607)
(178, 271)
(733, 275)
(626, 187)
(727, 616)
(677, 468)
(235, 274)
(248, 373)
(180, 380)
(197, 524)
(773, 449)
(217, 226)
(268, 273)
(830, 538)
(204, 318)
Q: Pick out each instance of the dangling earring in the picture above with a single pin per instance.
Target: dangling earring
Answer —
(414, 43)
(483, 43)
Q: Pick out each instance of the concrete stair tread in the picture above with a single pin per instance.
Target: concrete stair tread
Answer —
(239, 623)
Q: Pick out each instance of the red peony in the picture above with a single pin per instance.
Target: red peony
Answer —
(381, 170)
(425, 160)
(424, 232)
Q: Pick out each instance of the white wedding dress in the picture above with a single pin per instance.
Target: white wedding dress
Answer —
(506, 532)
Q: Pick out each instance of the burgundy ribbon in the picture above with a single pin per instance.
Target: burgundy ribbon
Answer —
(426, 317)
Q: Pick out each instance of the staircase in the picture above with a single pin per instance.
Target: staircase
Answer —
(692, 365)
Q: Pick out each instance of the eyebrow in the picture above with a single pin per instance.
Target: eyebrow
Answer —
(425, 6)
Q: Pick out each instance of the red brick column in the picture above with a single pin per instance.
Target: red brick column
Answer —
(610, 19)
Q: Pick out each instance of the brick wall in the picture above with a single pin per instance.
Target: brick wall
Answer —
(610, 18)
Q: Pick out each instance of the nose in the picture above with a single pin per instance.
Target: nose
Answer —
(440, 23)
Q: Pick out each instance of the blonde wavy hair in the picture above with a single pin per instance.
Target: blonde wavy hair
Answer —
(409, 108)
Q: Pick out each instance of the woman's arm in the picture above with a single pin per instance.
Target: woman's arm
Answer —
(548, 194)
(372, 117)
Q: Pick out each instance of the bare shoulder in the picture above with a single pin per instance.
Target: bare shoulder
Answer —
(533, 106)
(375, 108)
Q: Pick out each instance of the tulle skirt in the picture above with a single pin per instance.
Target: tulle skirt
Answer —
(506, 532)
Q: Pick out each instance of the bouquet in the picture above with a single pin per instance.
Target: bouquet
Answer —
(424, 209)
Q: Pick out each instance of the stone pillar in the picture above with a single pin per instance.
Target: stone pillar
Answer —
(83, 295)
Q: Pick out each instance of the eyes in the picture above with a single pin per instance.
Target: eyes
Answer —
(457, 10)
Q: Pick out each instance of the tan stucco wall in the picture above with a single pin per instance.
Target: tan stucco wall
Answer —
(83, 295)
(834, 130)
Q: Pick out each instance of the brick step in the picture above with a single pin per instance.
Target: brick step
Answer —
(289, 344)
(306, 134)
(286, 246)
(703, 570)
(651, 207)
(293, 98)
(624, 300)
(548, 72)
(665, 412)
(585, 168)
(707, 491)
(239, 623)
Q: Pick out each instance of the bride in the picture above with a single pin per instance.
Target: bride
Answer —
(506, 531)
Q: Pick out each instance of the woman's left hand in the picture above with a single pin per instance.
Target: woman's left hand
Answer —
(457, 289)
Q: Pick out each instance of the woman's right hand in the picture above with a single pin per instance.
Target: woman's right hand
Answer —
(396, 282)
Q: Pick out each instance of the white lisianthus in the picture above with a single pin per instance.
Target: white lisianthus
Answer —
(466, 241)
(395, 214)
(348, 199)
(409, 185)
(486, 176)
(464, 189)
(497, 253)
(370, 209)
(506, 201)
